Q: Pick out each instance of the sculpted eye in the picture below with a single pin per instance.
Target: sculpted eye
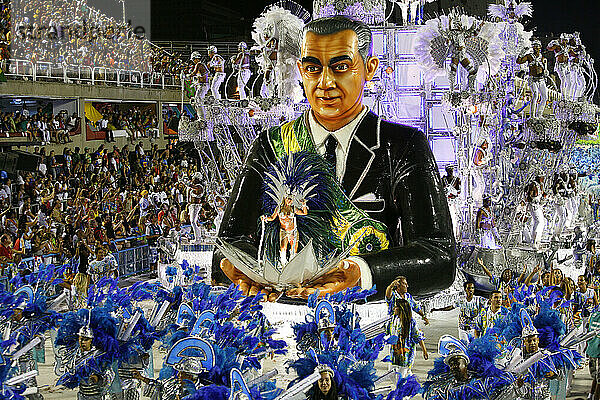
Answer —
(312, 68)
(341, 67)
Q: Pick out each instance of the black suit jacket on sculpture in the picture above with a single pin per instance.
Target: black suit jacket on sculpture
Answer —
(392, 175)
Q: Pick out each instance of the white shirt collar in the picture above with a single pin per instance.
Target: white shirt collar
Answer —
(343, 135)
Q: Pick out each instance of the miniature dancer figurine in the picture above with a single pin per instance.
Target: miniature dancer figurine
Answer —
(288, 229)
(217, 67)
(241, 63)
(537, 77)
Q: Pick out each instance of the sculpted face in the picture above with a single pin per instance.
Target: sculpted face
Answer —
(334, 75)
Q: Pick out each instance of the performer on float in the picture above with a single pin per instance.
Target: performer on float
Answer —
(456, 36)
(452, 184)
(572, 199)
(481, 159)
(195, 193)
(488, 234)
(560, 208)
(416, 11)
(217, 68)
(199, 74)
(400, 225)
(577, 57)
(537, 77)
(534, 194)
(241, 64)
(561, 50)
(288, 230)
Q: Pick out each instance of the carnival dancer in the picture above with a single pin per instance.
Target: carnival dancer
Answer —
(572, 199)
(593, 352)
(217, 68)
(470, 306)
(538, 71)
(490, 315)
(577, 56)
(81, 363)
(241, 64)
(456, 36)
(195, 193)
(534, 194)
(288, 229)
(452, 185)
(488, 234)
(560, 199)
(585, 300)
(463, 373)
(481, 159)
(199, 74)
(398, 289)
(560, 47)
(403, 326)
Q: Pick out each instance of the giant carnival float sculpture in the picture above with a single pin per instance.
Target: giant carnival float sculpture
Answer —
(481, 96)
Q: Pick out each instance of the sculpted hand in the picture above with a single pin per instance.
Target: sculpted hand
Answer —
(344, 276)
(247, 285)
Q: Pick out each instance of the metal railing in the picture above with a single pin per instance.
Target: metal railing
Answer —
(71, 73)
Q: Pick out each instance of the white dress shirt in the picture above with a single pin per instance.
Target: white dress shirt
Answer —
(343, 135)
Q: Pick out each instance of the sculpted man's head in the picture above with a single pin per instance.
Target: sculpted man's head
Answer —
(335, 64)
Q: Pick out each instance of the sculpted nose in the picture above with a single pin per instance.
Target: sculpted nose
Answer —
(327, 80)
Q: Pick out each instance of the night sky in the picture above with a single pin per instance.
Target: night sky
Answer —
(181, 20)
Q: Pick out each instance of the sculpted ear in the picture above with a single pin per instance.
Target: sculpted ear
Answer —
(371, 67)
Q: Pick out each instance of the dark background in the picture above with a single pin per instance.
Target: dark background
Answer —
(231, 20)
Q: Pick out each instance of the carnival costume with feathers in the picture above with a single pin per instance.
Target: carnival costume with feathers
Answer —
(235, 327)
(279, 25)
(482, 45)
(348, 354)
(484, 381)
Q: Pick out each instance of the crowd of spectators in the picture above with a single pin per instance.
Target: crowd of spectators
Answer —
(81, 203)
(167, 63)
(136, 121)
(40, 127)
(71, 32)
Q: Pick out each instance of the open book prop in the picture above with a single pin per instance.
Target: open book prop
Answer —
(302, 268)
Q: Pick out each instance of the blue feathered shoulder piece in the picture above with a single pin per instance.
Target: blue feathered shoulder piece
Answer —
(10, 392)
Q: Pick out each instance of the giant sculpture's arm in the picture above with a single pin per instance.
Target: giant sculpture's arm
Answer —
(427, 255)
(243, 211)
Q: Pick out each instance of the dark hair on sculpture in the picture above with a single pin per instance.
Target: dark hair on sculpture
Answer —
(338, 23)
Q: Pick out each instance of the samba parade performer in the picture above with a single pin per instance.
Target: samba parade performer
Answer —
(241, 64)
(538, 71)
(217, 68)
(386, 185)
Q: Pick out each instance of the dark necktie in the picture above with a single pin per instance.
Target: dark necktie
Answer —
(330, 146)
